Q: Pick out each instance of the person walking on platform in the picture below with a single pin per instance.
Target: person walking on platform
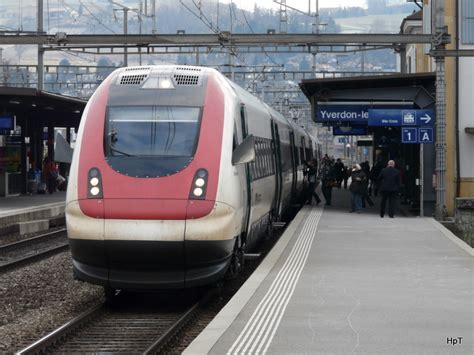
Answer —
(346, 176)
(357, 188)
(311, 173)
(365, 192)
(339, 170)
(374, 174)
(389, 185)
(328, 180)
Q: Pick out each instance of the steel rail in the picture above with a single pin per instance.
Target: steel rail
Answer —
(173, 330)
(21, 243)
(56, 335)
(28, 259)
(38, 256)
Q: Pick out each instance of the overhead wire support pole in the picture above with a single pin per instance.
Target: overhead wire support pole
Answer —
(125, 31)
(40, 31)
(125, 10)
(440, 143)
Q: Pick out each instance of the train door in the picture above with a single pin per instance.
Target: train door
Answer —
(276, 149)
(248, 175)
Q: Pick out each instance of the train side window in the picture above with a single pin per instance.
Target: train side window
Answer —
(267, 162)
(303, 145)
(257, 160)
(269, 157)
(243, 121)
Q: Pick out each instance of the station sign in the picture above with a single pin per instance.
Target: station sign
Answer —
(400, 117)
(423, 135)
(350, 114)
(409, 135)
(349, 130)
(7, 124)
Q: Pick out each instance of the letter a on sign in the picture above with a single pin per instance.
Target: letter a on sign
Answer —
(425, 135)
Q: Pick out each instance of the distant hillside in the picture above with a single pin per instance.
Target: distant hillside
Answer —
(371, 23)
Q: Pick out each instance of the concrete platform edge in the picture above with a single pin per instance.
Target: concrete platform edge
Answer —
(451, 236)
(214, 330)
(32, 209)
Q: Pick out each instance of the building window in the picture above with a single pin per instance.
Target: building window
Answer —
(467, 22)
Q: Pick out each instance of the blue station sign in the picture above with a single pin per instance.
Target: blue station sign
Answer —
(425, 135)
(349, 130)
(400, 117)
(350, 114)
(409, 135)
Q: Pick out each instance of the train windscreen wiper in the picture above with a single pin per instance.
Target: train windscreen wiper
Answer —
(113, 139)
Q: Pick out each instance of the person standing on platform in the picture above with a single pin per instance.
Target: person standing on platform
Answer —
(357, 188)
(374, 174)
(339, 169)
(346, 176)
(365, 193)
(312, 182)
(389, 181)
(50, 174)
(328, 180)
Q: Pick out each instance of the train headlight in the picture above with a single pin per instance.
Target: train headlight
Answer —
(199, 186)
(154, 82)
(198, 192)
(199, 182)
(94, 186)
(165, 83)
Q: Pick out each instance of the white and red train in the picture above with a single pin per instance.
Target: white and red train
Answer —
(177, 172)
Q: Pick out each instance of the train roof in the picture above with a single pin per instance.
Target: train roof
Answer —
(204, 71)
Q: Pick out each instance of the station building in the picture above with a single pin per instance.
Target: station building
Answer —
(459, 77)
(28, 121)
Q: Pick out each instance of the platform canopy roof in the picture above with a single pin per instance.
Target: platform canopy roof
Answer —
(31, 105)
(418, 88)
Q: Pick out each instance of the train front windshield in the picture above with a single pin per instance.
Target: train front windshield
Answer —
(163, 137)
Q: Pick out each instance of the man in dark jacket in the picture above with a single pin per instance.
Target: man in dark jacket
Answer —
(389, 185)
(357, 188)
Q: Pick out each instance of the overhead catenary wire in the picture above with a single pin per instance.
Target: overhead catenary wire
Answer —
(252, 31)
(200, 16)
(96, 18)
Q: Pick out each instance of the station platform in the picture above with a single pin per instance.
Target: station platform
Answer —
(344, 283)
(28, 214)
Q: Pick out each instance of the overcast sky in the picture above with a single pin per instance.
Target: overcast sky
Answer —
(300, 4)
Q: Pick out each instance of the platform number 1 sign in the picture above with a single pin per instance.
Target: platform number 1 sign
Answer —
(409, 135)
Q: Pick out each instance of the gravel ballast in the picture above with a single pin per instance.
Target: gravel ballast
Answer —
(40, 297)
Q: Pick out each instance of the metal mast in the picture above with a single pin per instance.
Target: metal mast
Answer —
(283, 17)
(440, 145)
(40, 46)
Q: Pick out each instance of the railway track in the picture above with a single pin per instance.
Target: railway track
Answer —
(28, 250)
(132, 324)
